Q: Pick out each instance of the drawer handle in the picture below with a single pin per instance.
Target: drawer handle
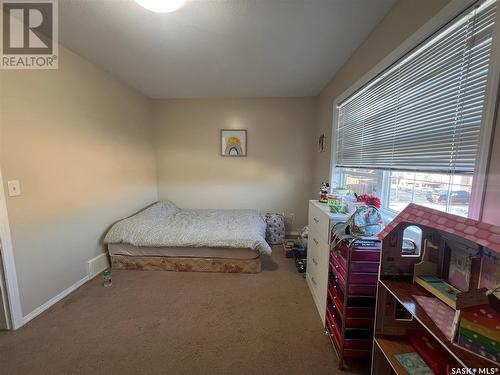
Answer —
(315, 220)
(315, 240)
(314, 281)
(315, 261)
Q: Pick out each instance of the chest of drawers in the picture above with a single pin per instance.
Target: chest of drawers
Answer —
(318, 252)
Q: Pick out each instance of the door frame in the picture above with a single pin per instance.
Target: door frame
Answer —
(14, 311)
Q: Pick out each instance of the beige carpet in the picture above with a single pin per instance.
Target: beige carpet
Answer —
(154, 322)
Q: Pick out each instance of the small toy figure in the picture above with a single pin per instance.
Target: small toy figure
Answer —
(323, 192)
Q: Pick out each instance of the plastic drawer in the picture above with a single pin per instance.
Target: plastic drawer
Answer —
(338, 277)
(355, 353)
(362, 289)
(359, 334)
(335, 328)
(338, 267)
(360, 312)
(359, 322)
(360, 253)
(357, 344)
(364, 266)
(363, 278)
(335, 299)
(338, 286)
(365, 255)
(343, 262)
(335, 339)
(361, 301)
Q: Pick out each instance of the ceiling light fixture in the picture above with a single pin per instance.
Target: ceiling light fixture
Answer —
(161, 6)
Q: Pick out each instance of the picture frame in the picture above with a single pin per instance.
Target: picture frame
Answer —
(233, 142)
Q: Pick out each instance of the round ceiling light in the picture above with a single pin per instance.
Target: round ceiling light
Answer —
(161, 6)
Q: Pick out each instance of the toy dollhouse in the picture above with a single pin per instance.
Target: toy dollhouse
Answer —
(438, 307)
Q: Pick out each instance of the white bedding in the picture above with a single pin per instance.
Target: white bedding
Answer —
(165, 225)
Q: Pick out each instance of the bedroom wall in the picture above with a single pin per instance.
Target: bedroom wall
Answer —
(404, 18)
(276, 174)
(81, 145)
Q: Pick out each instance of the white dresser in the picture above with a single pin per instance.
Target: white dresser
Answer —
(318, 251)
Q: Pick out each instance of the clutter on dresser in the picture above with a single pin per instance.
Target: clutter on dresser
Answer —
(366, 221)
(338, 199)
(323, 192)
(369, 200)
(445, 271)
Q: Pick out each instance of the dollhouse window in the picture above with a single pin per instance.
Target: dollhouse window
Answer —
(412, 241)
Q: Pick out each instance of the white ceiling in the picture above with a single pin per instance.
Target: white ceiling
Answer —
(220, 48)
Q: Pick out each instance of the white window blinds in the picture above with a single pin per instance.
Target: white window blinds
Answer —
(424, 113)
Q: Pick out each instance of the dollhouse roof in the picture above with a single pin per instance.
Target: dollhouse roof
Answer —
(481, 233)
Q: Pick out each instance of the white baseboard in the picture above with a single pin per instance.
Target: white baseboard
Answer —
(54, 300)
(97, 265)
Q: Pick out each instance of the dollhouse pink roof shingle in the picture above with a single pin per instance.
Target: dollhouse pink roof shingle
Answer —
(481, 233)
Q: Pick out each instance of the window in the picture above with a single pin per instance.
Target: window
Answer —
(412, 133)
(441, 191)
(450, 193)
(360, 181)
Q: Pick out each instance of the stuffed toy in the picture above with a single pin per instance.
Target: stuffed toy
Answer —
(323, 192)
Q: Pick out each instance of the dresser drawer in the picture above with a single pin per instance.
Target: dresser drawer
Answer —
(312, 258)
(319, 222)
(317, 269)
(313, 251)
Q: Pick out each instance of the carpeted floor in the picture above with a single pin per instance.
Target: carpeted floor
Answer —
(177, 323)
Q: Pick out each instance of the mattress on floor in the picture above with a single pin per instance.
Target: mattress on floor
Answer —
(182, 252)
(163, 224)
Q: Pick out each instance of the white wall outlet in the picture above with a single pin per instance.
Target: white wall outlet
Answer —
(14, 188)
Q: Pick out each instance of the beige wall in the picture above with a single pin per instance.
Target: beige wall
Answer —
(81, 145)
(275, 175)
(405, 17)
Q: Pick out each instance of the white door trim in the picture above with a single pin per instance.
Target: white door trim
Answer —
(14, 300)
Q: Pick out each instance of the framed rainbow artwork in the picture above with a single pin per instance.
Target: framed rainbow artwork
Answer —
(233, 142)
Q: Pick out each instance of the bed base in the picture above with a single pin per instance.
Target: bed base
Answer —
(179, 264)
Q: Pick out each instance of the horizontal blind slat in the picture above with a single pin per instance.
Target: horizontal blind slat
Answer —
(423, 113)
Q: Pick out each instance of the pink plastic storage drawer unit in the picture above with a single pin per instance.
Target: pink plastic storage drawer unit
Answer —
(364, 266)
(363, 278)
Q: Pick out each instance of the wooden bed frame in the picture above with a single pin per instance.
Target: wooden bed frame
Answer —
(185, 264)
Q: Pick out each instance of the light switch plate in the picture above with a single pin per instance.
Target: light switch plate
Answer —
(14, 188)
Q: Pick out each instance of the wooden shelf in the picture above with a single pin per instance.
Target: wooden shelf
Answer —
(392, 345)
(403, 292)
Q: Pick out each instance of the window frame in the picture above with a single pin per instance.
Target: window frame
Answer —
(385, 188)
(434, 25)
